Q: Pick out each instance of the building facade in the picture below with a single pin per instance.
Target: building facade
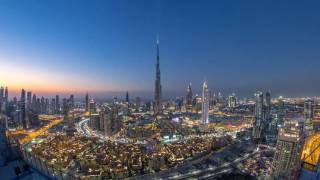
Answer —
(286, 161)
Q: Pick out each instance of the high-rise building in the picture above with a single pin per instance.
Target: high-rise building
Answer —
(158, 89)
(232, 101)
(71, 101)
(127, 108)
(42, 105)
(138, 104)
(92, 106)
(267, 104)
(205, 104)
(3, 140)
(6, 95)
(65, 108)
(112, 121)
(127, 97)
(2, 103)
(258, 125)
(212, 100)
(34, 103)
(1, 93)
(57, 104)
(22, 105)
(87, 102)
(189, 98)
(53, 106)
(286, 161)
(309, 115)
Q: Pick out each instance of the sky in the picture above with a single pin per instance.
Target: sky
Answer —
(108, 47)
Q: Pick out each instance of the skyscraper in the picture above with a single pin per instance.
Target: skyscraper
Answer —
(3, 140)
(127, 97)
(189, 98)
(71, 101)
(138, 104)
(87, 102)
(232, 101)
(205, 103)
(267, 104)
(23, 119)
(1, 93)
(2, 103)
(111, 120)
(57, 104)
(258, 125)
(286, 161)
(29, 99)
(157, 94)
(34, 103)
(6, 95)
(92, 106)
(309, 115)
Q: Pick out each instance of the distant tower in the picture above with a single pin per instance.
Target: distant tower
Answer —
(127, 97)
(205, 104)
(2, 102)
(189, 98)
(87, 102)
(3, 140)
(1, 93)
(23, 119)
(127, 110)
(259, 117)
(71, 101)
(232, 101)
(6, 95)
(157, 93)
(57, 104)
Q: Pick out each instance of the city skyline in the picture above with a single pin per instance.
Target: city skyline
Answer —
(74, 54)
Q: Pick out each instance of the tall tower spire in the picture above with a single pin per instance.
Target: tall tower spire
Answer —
(205, 103)
(157, 93)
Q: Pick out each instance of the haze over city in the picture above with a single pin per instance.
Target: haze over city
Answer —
(108, 47)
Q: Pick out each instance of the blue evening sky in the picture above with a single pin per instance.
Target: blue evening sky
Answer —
(109, 46)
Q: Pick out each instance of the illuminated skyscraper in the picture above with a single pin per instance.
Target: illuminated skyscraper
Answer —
(232, 101)
(205, 104)
(258, 125)
(92, 106)
(189, 98)
(286, 161)
(157, 93)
